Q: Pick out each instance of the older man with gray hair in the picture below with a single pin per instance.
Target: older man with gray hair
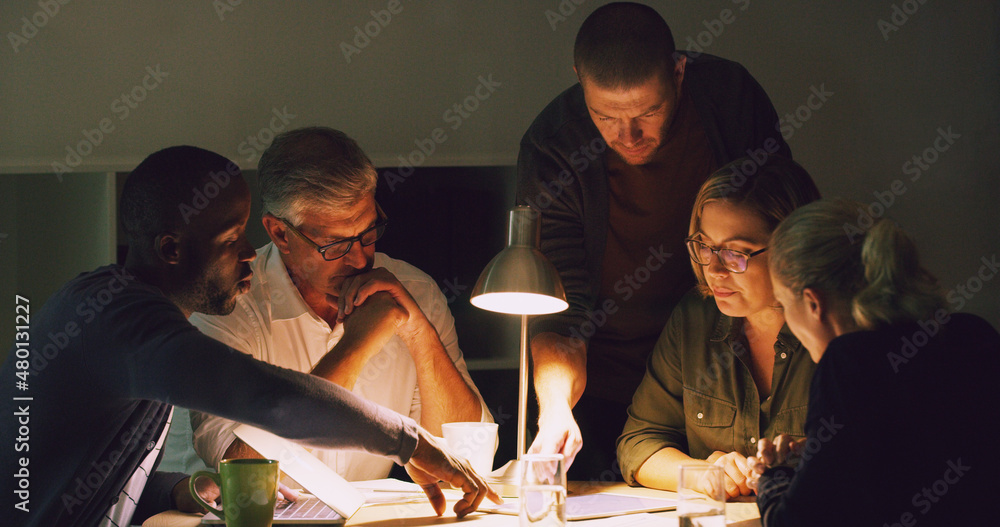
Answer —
(323, 301)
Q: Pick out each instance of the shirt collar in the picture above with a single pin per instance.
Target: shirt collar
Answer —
(286, 301)
(723, 327)
(726, 326)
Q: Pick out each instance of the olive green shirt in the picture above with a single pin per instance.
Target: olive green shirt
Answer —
(698, 394)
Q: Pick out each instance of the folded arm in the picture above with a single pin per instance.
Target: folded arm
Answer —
(445, 392)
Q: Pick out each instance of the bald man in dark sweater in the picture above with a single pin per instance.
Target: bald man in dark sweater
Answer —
(613, 165)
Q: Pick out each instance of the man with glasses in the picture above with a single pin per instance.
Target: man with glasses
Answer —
(96, 402)
(323, 301)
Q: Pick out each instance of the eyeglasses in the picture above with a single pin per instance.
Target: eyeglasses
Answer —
(733, 260)
(340, 248)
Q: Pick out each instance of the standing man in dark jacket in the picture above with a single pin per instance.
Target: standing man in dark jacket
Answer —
(613, 165)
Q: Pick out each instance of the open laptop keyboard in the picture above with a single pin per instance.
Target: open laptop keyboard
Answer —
(306, 507)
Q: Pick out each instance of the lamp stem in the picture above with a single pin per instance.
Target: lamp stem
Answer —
(522, 395)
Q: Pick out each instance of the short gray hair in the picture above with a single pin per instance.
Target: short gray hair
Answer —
(314, 168)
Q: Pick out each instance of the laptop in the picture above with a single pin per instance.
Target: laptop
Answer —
(332, 501)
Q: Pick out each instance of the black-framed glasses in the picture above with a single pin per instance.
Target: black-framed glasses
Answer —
(340, 248)
(733, 260)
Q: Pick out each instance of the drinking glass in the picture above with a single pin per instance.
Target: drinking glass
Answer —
(543, 490)
(702, 496)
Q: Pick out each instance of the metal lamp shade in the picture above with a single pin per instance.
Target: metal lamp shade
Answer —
(520, 280)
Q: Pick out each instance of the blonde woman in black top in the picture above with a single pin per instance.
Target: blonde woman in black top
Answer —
(903, 406)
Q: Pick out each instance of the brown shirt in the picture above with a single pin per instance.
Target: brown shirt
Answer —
(699, 395)
(646, 269)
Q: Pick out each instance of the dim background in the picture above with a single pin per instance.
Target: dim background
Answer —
(230, 74)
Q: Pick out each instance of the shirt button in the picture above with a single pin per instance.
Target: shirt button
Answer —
(753, 439)
(784, 355)
(700, 415)
(151, 445)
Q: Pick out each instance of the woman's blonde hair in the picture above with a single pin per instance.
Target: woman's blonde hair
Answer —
(876, 273)
(771, 187)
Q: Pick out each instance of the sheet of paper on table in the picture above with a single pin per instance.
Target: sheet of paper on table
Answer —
(389, 491)
(643, 519)
(590, 506)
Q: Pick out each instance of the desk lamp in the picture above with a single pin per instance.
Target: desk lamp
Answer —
(519, 281)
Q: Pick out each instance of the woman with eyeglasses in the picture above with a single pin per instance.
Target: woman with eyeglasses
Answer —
(726, 371)
(903, 406)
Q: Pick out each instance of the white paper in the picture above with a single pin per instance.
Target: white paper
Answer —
(389, 491)
(589, 506)
(643, 519)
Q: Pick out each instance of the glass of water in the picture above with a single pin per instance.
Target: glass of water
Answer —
(543, 490)
(702, 496)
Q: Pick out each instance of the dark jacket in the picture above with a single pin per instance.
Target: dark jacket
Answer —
(562, 171)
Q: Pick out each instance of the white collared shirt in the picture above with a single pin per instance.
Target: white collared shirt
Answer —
(273, 323)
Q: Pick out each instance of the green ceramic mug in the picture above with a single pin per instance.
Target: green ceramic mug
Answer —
(249, 491)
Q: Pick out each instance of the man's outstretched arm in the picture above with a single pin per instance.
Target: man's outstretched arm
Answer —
(560, 376)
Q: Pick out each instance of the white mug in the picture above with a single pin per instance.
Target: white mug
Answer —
(476, 442)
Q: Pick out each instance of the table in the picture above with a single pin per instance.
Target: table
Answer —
(738, 514)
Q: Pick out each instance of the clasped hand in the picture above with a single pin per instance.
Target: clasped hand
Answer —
(736, 473)
(375, 302)
(772, 453)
